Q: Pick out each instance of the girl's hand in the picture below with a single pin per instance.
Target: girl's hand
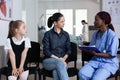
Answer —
(20, 70)
(15, 72)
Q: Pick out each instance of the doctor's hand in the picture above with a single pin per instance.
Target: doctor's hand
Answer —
(92, 52)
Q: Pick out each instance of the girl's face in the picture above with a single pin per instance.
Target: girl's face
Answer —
(22, 29)
(60, 23)
(98, 22)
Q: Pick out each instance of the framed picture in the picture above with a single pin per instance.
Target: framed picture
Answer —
(6, 10)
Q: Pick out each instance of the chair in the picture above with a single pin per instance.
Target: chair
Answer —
(87, 57)
(117, 74)
(33, 56)
(72, 71)
(3, 71)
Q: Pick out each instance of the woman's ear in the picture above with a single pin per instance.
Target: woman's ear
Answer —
(55, 23)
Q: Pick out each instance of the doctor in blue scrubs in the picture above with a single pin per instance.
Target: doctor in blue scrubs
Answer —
(103, 64)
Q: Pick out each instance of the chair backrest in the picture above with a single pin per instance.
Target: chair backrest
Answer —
(86, 56)
(34, 52)
(73, 55)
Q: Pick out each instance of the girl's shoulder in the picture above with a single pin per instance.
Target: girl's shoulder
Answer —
(8, 39)
(27, 42)
(26, 39)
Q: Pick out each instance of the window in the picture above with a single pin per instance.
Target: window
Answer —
(80, 14)
(71, 17)
(68, 14)
(49, 13)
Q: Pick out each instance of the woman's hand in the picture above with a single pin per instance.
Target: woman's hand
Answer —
(15, 72)
(53, 56)
(63, 60)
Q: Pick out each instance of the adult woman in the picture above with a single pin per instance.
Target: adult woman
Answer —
(56, 46)
(103, 64)
(85, 34)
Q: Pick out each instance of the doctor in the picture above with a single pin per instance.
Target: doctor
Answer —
(103, 64)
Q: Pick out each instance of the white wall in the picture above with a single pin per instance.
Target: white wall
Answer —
(112, 6)
(93, 6)
(34, 9)
(4, 24)
(30, 8)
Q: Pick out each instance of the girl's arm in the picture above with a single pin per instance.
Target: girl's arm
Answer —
(13, 62)
(23, 58)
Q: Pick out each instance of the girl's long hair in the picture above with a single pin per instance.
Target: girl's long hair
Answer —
(12, 26)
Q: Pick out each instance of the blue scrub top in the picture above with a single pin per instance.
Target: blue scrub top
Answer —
(107, 42)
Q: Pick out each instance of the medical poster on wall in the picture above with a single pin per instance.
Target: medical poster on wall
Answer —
(113, 7)
(6, 10)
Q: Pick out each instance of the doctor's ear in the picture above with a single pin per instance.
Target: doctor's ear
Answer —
(103, 21)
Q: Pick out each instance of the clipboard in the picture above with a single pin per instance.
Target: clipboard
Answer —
(89, 48)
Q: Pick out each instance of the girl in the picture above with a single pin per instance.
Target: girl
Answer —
(105, 63)
(56, 46)
(17, 47)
